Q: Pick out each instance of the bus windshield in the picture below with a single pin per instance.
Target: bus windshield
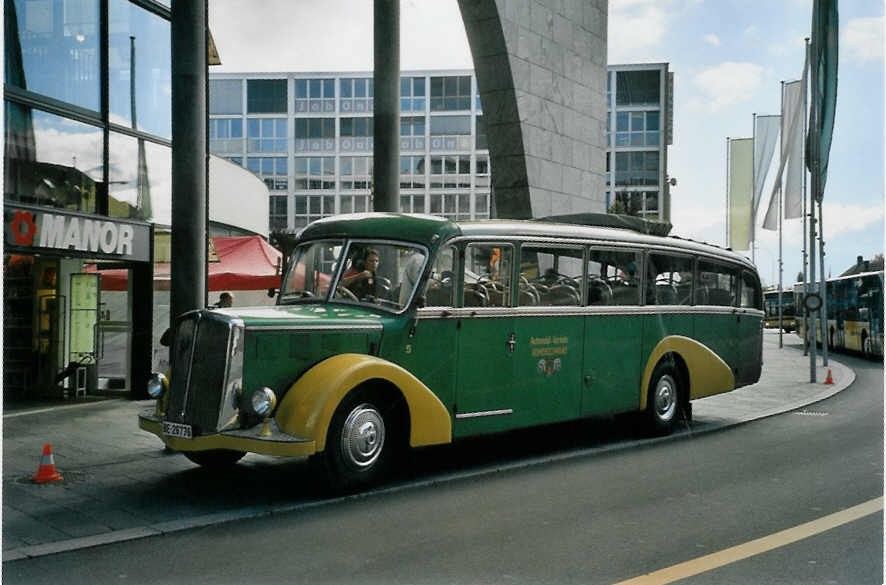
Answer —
(376, 273)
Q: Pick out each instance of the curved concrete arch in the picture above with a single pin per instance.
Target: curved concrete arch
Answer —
(541, 72)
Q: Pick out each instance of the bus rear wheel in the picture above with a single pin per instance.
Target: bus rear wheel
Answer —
(663, 399)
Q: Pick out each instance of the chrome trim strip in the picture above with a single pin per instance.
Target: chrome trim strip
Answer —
(376, 327)
(568, 311)
(484, 413)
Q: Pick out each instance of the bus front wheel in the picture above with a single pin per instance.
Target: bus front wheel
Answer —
(663, 400)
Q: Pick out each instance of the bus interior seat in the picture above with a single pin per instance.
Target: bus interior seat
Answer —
(474, 297)
(561, 295)
(719, 296)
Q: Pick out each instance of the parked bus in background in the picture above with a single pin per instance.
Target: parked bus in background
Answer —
(393, 332)
(770, 308)
(854, 313)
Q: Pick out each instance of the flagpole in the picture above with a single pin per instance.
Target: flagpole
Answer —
(805, 196)
(753, 186)
(824, 290)
(780, 227)
(815, 181)
(727, 194)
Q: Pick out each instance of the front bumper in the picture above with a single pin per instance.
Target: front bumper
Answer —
(278, 443)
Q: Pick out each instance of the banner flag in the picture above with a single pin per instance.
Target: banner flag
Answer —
(823, 61)
(765, 137)
(792, 146)
(741, 192)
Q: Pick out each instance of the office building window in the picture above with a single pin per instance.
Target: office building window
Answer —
(309, 208)
(278, 208)
(412, 172)
(316, 172)
(356, 127)
(451, 93)
(455, 206)
(481, 171)
(140, 179)
(136, 31)
(314, 134)
(266, 96)
(412, 126)
(451, 172)
(636, 168)
(412, 203)
(314, 95)
(271, 169)
(451, 133)
(356, 172)
(266, 135)
(57, 53)
(412, 94)
(225, 136)
(482, 140)
(225, 96)
(636, 129)
(481, 205)
(638, 203)
(638, 88)
(354, 203)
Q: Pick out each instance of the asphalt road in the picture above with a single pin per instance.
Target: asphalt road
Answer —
(605, 518)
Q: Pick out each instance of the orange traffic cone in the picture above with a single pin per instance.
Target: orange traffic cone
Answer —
(829, 379)
(46, 472)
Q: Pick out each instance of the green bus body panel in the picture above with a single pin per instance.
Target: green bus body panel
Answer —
(613, 364)
(429, 354)
(719, 332)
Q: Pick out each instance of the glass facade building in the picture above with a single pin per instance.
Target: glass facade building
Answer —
(639, 129)
(309, 136)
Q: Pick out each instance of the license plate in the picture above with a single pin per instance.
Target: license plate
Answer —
(171, 429)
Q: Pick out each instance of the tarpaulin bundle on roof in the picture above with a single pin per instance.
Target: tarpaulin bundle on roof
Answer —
(626, 222)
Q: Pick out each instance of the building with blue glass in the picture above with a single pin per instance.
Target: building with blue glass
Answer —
(309, 137)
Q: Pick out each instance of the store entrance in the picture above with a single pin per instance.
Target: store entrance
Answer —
(114, 329)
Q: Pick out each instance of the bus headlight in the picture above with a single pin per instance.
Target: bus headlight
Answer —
(157, 384)
(263, 401)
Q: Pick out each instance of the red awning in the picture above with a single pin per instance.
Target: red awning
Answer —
(245, 263)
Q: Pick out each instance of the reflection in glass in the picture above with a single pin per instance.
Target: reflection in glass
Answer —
(50, 160)
(52, 48)
(140, 180)
(139, 56)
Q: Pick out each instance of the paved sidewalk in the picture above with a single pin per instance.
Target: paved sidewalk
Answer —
(120, 484)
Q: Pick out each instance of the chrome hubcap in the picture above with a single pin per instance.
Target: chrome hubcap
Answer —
(362, 437)
(665, 397)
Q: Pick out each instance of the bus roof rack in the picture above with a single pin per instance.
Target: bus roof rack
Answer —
(625, 222)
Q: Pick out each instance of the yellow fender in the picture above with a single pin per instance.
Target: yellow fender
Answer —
(308, 406)
(708, 373)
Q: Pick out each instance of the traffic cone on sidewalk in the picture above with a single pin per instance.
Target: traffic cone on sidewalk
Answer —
(46, 472)
(829, 380)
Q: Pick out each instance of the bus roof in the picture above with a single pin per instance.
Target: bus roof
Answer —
(432, 231)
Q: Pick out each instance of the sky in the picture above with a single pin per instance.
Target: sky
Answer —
(728, 58)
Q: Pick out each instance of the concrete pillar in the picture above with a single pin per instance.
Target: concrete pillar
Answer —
(386, 77)
(189, 156)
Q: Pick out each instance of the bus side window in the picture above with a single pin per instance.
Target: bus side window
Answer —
(750, 291)
(550, 276)
(669, 280)
(440, 287)
(613, 277)
(716, 284)
(487, 275)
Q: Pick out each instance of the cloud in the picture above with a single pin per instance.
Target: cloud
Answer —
(635, 25)
(712, 39)
(726, 84)
(863, 39)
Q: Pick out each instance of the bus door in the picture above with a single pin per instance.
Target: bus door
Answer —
(485, 400)
(718, 318)
(612, 332)
(549, 333)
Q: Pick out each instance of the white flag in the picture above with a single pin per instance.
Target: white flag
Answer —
(793, 144)
(765, 136)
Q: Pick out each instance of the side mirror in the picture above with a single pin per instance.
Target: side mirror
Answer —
(272, 292)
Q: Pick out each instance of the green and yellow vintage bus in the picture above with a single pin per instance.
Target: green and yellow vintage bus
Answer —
(854, 311)
(393, 331)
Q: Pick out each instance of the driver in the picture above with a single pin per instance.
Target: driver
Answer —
(360, 278)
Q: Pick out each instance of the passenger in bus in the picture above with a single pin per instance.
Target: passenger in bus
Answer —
(360, 278)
